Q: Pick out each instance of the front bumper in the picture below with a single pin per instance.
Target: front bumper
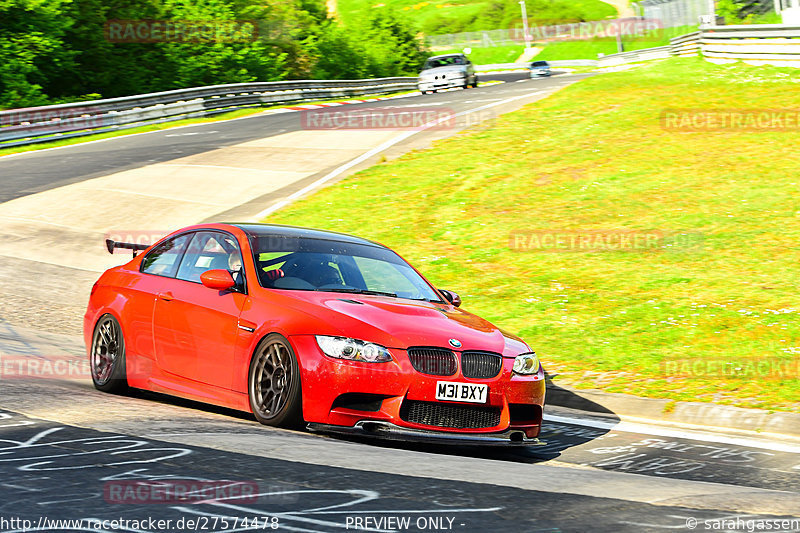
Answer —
(347, 393)
(387, 430)
(440, 84)
(539, 73)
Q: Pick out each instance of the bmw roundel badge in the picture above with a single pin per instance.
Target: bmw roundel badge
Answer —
(455, 343)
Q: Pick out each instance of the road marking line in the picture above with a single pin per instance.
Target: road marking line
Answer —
(191, 133)
(37, 221)
(632, 427)
(159, 196)
(378, 149)
(262, 170)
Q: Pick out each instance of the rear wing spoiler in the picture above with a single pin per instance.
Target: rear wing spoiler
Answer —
(111, 245)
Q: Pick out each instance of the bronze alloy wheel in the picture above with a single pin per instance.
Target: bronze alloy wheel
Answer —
(108, 356)
(274, 383)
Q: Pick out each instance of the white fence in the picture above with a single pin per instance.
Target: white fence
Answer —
(674, 13)
(762, 44)
(756, 44)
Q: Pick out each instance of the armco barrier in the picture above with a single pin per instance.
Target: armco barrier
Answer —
(761, 44)
(757, 44)
(633, 56)
(47, 123)
(686, 45)
(775, 44)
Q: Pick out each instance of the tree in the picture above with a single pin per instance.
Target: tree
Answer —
(32, 50)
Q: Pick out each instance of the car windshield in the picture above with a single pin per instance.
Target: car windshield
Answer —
(539, 64)
(309, 264)
(446, 61)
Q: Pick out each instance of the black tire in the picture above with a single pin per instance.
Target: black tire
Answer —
(475, 82)
(466, 83)
(107, 358)
(273, 383)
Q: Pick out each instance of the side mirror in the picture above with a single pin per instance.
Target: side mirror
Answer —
(220, 280)
(451, 297)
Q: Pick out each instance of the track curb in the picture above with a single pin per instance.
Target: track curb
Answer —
(695, 413)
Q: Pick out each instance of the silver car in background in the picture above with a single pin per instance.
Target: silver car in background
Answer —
(447, 71)
(540, 68)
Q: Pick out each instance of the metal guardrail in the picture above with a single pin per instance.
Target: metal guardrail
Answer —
(774, 44)
(686, 45)
(659, 52)
(758, 44)
(48, 123)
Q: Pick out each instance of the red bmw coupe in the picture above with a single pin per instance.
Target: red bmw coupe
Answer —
(303, 326)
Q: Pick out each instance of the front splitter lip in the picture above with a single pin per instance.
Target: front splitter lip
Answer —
(387, 430)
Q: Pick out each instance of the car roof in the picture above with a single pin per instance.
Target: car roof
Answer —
(262, 230)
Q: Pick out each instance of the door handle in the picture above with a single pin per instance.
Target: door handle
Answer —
(247, 326)
(166, 296)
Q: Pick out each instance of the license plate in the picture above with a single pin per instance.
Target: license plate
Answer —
(461, 392)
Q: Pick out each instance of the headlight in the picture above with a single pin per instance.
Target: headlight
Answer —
(526, 364)
(352, 349)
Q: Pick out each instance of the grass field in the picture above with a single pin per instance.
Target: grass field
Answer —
(588, 49)
(449, 16)
(687, 321)
(491, 55)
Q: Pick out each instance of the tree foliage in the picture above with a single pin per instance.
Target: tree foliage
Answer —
(61, 50)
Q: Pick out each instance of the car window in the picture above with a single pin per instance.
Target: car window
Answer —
(323, 265)
(388, 277)
(163, 259)
(210, 250)
(444, 61)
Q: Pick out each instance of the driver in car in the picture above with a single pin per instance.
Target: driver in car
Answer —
(317, 273)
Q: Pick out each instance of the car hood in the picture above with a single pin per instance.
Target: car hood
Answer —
(400, 323)
(443, 70)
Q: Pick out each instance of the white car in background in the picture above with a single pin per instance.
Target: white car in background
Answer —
(447, 71)
(540, 68)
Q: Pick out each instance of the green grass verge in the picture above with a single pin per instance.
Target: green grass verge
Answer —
(491, 55)
(565, 50)
(590, 49)
(435, 17)
(594, 156)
